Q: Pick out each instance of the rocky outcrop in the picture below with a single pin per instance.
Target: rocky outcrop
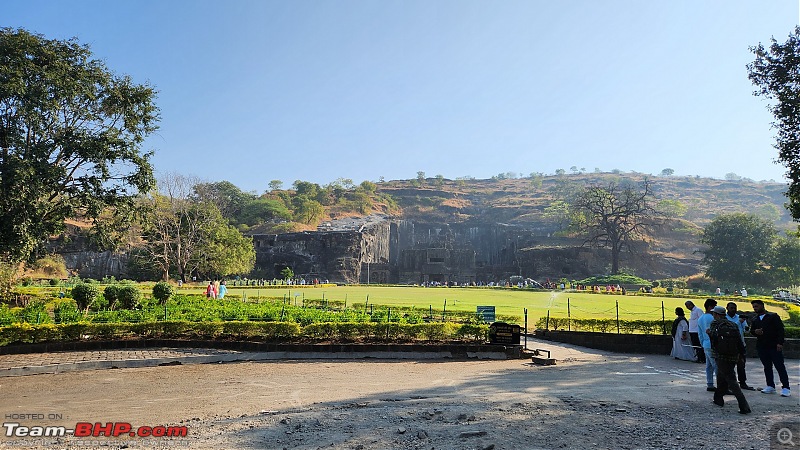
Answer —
(415, 252)
(97, 265)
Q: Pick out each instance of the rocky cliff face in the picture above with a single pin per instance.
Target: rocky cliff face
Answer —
(97, 265)
(415, 252)
(337, 256)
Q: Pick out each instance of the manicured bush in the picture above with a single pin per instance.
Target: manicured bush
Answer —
(111, 294)
(474, 332)
(603, 325)
(162, 291)
(85, 294)
(129, 296)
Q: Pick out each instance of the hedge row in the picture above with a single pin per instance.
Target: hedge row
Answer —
(625, 326)
(603, 325)
(268, 331)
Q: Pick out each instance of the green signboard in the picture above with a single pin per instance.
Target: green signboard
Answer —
(486, 313)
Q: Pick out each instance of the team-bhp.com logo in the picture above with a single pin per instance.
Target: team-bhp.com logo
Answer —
(97, 429)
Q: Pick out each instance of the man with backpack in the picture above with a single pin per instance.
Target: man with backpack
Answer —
(726, 346)
(740, 322)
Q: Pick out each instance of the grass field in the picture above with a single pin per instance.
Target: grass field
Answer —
(508, 302)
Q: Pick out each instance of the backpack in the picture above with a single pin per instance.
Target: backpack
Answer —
(725, 338)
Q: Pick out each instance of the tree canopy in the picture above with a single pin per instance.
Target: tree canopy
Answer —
(738, 248)
(70, 138)
(776, 74)
(189, 235)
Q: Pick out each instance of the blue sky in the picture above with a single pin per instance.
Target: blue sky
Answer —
(255, 90)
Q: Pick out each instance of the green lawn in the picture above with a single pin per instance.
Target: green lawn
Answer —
(507, 301)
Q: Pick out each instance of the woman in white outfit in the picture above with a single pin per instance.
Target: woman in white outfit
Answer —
(681, 342)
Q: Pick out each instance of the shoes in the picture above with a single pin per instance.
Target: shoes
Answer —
(745, 411)
(720, 403)
(712, 389)
(745, 387)
(785, 392)
(768, 390)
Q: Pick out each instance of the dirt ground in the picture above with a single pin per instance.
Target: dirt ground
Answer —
(590, 399)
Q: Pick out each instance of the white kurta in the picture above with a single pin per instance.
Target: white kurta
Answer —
(682, 348)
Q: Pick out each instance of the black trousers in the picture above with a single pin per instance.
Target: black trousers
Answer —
(740, 369)
(701, 355)
(726, 380)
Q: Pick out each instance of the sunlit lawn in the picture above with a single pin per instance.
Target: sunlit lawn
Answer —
(508, 302)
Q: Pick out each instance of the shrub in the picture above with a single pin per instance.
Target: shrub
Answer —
(54, 281)
(474, 332)
(85, 294)
(603, 325)
(111, 294)
(794, 315)
(128, 296)
(162, 291)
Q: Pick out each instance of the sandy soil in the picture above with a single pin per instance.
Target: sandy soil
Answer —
(590, 399)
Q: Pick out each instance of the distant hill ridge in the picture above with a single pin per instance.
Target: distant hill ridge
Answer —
(523, 200)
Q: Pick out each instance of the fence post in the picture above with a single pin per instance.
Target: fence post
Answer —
(388, 322)
(165, 311)
(526, 328)
(663, 319)
(618, 317)
(569, 316)
(547, 322)
(444, 311)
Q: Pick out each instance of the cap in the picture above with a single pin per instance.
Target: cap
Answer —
(719, 310)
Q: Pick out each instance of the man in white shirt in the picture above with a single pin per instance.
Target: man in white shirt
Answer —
(695, 314)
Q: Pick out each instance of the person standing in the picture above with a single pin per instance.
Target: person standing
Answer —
(703, 326)
(726, 346)
(210, 290)
(767, 327)
(739, 321)
(222, 290)
(681, 343)
(694, 314)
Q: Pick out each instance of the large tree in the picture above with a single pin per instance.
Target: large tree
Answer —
(739, 248)
(613, 215)
(228, 197)
(776, 74)
(785, 261)
(186, 234)
(70, 138)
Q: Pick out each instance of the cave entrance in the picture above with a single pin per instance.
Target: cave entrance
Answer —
(437, 278)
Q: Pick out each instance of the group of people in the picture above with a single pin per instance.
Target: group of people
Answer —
(716, 338)
(216, 290)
